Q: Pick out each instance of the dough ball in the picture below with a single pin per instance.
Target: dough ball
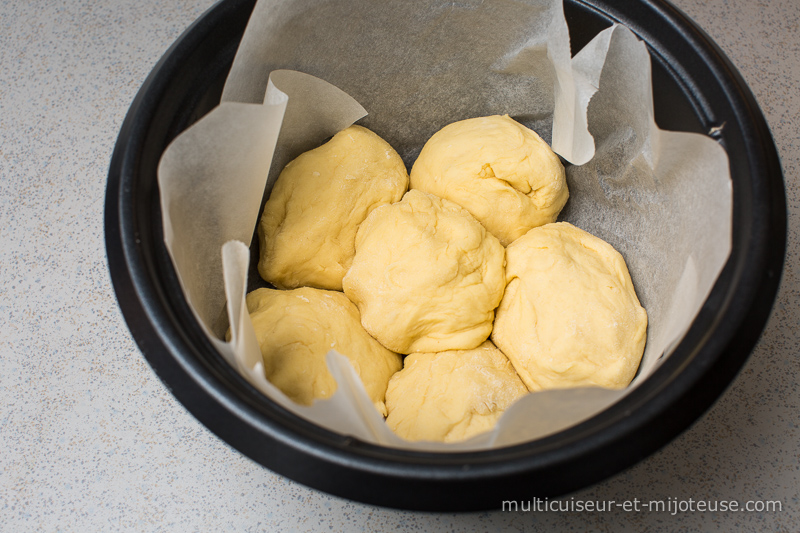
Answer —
(308, 228)
(498, 170)
(451, 396)
(296, 329)
(426, 276)
(570, 316)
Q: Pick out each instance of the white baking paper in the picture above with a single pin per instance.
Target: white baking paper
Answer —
(662, 199)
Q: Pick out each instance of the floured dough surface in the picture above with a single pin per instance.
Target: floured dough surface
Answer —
(451, 396)
(570, 316)
(426, 276)
(498, 170)
(296, 329)
(308, 227)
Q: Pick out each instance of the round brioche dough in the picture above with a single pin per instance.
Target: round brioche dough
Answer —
(426, 276)
(296, 329)
(498, 170)
(570, 316)
(451, 396)
(308, 228)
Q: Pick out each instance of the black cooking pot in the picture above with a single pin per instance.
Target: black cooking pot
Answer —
(695, 89)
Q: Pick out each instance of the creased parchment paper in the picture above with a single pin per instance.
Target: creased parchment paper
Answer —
(663, 199)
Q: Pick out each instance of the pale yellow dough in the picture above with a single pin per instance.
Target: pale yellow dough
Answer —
(570, 316)
(451, 396)
(296, 329)
(498, 170)
(308, 228)
(426, 276)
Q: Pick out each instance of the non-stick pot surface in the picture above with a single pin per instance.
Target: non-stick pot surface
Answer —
(695, 89)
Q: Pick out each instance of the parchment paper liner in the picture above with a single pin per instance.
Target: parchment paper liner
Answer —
(663, 199)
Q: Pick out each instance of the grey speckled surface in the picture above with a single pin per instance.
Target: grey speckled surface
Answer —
(90, 438)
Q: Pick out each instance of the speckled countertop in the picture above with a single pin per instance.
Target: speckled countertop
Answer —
(90, 439)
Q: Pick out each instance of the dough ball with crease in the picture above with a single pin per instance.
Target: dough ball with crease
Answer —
(308, 228)
(498, 170)
(426, 276)
(570, 316)
(451, 396)
(296, 329)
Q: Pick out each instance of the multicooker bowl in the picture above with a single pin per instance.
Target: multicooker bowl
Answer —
(695, 89)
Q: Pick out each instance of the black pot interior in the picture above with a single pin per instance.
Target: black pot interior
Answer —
(188, 82)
